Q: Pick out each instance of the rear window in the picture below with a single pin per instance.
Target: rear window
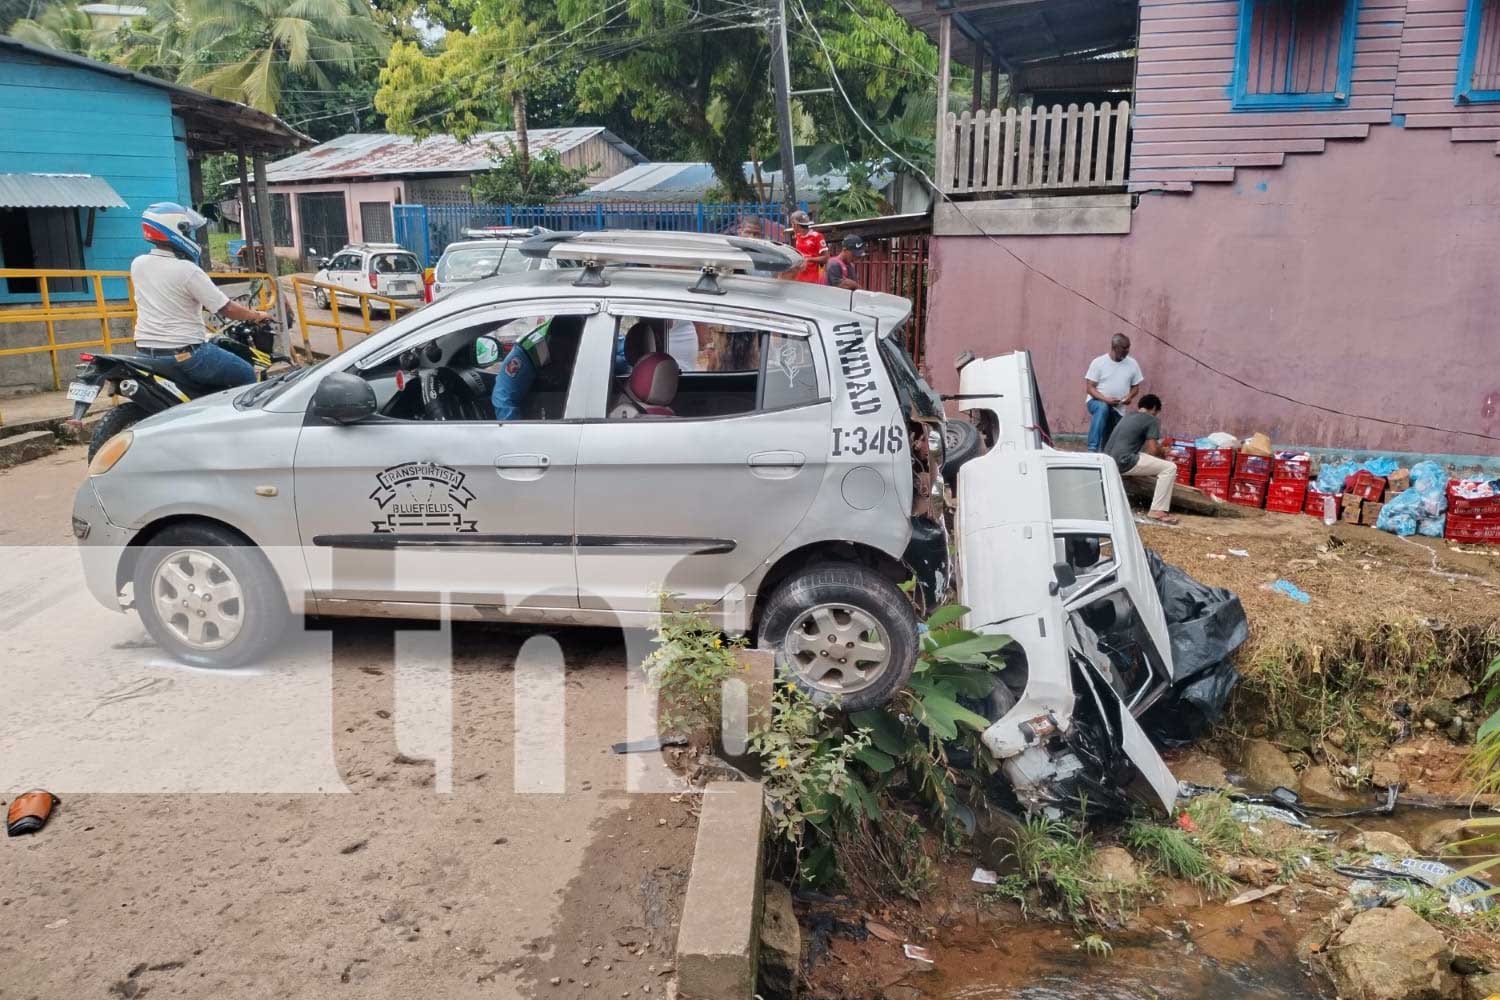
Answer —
(394, 263)
(479, 262)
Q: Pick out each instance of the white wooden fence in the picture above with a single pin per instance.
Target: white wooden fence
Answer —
(1035, 149)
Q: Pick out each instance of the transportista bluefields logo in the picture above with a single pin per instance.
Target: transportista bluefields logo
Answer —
(422, 495)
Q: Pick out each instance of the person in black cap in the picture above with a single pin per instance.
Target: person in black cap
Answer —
(840, 270)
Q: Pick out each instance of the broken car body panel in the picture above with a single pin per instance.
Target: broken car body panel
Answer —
(1049, 555)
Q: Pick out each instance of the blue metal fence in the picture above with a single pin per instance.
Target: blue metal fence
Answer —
(427, 229)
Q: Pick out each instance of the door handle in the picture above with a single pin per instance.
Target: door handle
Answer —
(522, 468)
(522, 462)
(777, 460)
(776, 464)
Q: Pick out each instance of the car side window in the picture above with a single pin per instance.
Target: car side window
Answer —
(788, 376)
(673, 367)
(505, 370)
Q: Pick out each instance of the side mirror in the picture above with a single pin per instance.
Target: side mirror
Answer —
(324, 261)
(343, 398)
(1064, 573)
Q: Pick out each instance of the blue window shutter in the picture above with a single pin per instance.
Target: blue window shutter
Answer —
(1283, 63)
(1479, 60)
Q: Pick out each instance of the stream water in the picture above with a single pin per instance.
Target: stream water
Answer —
(1212, 952)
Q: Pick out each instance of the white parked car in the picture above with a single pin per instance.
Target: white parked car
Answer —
(386, 269)
(485, 253)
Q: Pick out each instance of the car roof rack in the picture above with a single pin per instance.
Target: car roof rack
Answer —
(713, 255)
(502, 232)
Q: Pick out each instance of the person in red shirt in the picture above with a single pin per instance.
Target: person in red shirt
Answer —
(811, 245)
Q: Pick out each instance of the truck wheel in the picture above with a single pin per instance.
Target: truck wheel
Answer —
(113, 422)
(961, 442)
(842, 631)
(209, 598)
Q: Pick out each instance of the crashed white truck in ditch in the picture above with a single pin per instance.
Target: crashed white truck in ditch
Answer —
(1048, 554)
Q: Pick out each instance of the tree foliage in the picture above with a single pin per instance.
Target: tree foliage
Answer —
(247, 50)
(546, 179)
(65, 28)
(687, 79)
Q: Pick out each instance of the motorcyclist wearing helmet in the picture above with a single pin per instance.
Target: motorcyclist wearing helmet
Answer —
(171, 292)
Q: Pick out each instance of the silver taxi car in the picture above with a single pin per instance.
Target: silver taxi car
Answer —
(764, 449)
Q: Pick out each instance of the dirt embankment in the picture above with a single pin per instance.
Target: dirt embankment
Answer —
(1391, 623)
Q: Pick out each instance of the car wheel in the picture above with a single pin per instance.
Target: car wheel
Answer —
(320, 297)
(209, 598)
(961, 442)
(842, 631)
(113, 422)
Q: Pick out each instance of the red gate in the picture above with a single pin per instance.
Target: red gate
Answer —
(898, 264)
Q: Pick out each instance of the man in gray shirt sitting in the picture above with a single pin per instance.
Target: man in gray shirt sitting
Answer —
(1135, 445)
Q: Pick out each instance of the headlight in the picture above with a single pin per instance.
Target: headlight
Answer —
(114, 449)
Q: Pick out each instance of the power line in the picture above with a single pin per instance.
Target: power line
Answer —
(957, 207)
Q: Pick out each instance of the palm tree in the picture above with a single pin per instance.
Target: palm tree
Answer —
(62, 27)
(154, 44)
(248, 50)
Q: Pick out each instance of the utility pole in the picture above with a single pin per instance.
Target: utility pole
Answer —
(781, 75)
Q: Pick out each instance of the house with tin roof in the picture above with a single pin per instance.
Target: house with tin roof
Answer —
(343, 190)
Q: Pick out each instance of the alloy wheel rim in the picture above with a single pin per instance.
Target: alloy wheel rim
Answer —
(837, 649)
(199, 599)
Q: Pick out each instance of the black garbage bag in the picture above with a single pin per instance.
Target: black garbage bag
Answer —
(1205, 626)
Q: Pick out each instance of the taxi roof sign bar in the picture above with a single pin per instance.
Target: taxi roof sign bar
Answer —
(712, 255)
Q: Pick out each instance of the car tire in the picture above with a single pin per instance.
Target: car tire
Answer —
(961, 442)
(834, 606)
(115, 420)
(194, 570)
(320, 297)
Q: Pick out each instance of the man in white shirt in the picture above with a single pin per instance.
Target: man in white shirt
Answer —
(171, 293)
(1112, 381)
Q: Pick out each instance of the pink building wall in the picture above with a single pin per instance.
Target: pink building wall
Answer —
(354, 192)
(1363, 280)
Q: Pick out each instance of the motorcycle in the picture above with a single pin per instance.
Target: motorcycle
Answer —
(151, 385)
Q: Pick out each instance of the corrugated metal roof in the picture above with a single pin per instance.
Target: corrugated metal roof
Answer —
(691, 181)
(379, 154)
(57, 191)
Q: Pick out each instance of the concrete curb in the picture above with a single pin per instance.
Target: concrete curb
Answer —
(718, 946)
(19, 448)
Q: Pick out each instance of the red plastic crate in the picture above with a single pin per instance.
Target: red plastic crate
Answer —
(1286, 496)
(1184, 462)
(1247, 492)
(1314, 503)
(1486, 507)
(1367, 486)
(1214, 486)
(1252, 467)
(1219, 460)
(1292, 469)
(1472, 529)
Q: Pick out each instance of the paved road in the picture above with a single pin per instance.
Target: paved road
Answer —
(376, 813)
(326, 341)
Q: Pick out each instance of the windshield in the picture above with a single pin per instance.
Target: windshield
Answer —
(480, 262)
(394, 263)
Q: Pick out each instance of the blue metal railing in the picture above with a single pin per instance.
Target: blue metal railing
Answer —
(427, 229)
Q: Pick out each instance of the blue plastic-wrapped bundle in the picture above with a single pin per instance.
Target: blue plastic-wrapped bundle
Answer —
(1402, 515)
(1429, 477)
(1382, 467)
(1331, 477)
(1422, 509)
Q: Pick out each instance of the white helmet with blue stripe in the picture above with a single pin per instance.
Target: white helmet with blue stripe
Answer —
(172, 226)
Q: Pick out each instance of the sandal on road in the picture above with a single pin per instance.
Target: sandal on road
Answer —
(1166, 519)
